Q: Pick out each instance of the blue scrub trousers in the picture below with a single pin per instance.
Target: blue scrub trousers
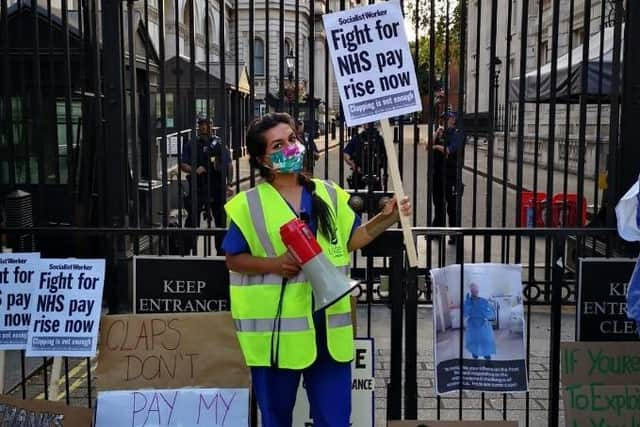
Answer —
(328, 385)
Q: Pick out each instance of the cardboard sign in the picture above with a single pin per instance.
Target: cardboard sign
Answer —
(362, 390)
(42, 413)
(170, 351)
(177, 407)
(180, 284)
(372, 63)
(66, 307)
(453, 424)
(598, 405)
(19, 274)
(606, 363)
(602, 300)
(601, 383)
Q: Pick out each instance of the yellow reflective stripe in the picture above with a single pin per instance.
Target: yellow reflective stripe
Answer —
(338, 320)
(333, 195)
(237, 279)
(257, 215)
(292, 324)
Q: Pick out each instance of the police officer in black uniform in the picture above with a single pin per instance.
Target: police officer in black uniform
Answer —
(366, 156)
(214, 171)
(447, 143)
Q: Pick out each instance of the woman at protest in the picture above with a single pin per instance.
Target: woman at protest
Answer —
(281, 337)
(479, 313)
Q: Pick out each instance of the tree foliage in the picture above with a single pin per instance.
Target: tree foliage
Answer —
(423, 29)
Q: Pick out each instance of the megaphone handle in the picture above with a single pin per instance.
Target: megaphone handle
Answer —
(277, 321)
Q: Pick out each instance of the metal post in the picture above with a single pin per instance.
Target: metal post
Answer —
(629, 150)
(394, 392)
(113, 113)
(556, 327)
(411, 347)
(114, 150)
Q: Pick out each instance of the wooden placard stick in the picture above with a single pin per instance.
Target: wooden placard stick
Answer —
(396, 182)
(2, 359)
(56, 373)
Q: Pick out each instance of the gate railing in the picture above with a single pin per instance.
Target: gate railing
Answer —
(405, 340)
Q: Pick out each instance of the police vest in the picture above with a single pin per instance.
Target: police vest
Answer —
(259, 213)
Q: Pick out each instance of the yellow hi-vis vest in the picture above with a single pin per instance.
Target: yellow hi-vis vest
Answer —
(259, 213)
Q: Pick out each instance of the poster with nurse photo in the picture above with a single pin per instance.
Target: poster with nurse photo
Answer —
(479, 326)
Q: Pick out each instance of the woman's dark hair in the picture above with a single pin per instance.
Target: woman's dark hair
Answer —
(257, 146)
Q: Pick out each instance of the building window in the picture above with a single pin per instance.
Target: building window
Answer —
(577, 37)
(543, 55)
(287, 51)
(186, 21)
(169, 110)
(201, 107)
(211, 31)
(17, 136)
(258, 57)
(64, 157)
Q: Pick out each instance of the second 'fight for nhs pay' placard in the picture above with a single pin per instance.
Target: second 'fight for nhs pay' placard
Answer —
(372, 63)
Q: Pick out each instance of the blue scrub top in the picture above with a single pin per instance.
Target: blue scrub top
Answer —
(234, 243)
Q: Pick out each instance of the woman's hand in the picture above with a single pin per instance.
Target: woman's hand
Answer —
(389, 215)
(286, 266)
(391, 207)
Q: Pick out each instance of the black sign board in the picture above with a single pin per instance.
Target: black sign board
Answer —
(167, 284)
(602, 300)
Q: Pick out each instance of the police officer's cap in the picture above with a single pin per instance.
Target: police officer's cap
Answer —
(448, 114)
(203, 119)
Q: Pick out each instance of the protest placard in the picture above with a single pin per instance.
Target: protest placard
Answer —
(42, 413)
(373, 65)
(19, 273)
(485, 314)
(606, 363)
(376, 79)
(173, 408)
(170, 351)
(66, 307)
(164, 284)
(601, 383)
(602, 406)
(362, 390)
(602, 300)
(453, 424)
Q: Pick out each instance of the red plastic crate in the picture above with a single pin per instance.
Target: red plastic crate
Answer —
(527, 201)
(558, 203)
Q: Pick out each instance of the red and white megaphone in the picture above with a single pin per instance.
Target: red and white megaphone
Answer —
(327, 282)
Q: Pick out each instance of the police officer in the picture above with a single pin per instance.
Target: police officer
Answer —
(447, 143)
(213, 170)
(367, 159)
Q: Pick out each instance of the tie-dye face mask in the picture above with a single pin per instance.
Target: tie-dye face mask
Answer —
(289, 159)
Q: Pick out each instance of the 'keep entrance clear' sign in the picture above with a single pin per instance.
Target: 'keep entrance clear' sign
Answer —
(372, 63)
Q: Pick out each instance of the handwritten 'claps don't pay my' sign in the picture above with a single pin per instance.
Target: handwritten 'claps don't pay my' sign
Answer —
(166, 351)
(178, 407)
